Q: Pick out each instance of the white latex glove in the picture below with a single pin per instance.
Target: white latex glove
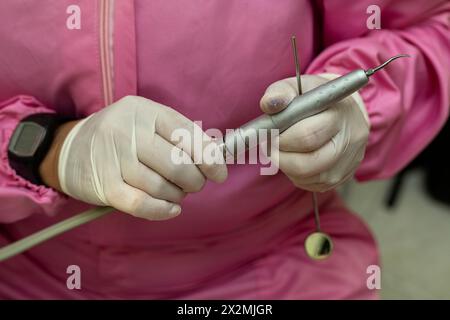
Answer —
(121, 157)
(322, 151)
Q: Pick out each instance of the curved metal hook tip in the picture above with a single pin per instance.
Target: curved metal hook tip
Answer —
(370, 72)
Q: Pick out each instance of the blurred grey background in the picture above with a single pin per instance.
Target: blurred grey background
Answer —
(413, 235)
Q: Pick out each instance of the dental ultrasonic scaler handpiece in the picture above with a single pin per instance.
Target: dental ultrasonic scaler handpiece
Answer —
(303, 106)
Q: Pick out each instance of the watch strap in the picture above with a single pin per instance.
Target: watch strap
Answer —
(30, 143)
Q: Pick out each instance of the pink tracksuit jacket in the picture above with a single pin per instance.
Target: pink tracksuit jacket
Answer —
(212, 61)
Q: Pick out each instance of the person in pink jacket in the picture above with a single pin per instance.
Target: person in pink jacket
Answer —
(115, 68)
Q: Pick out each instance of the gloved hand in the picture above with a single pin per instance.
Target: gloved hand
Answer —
(121, 157)
(324, 150)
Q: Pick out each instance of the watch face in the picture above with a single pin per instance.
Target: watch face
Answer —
(26, 139)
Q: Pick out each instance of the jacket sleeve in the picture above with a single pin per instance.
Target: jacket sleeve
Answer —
(407, 102)
(20, 198)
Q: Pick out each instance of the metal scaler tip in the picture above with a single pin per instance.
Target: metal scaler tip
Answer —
(370, 72)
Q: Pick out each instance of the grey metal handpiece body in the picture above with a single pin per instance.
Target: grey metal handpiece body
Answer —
(317, 100)
(303, 106)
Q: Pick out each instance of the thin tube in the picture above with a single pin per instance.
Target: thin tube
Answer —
(52, 231)
(297, 65)
(316, 211)
(300, 92)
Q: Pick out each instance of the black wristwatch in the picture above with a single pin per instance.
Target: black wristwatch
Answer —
(29, 144)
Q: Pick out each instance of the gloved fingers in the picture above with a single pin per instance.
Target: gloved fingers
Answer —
(301, 165)
(169, 120)
(314, 187)
(324, 187)
(144, 178)
(321, 183)
(311, 133)
(278, 95)
(161, 156)
(325, 181)
(136, 202)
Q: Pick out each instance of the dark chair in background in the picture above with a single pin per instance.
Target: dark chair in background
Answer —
(435, 161)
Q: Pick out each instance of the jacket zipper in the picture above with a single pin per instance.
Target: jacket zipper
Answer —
(106, 49)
